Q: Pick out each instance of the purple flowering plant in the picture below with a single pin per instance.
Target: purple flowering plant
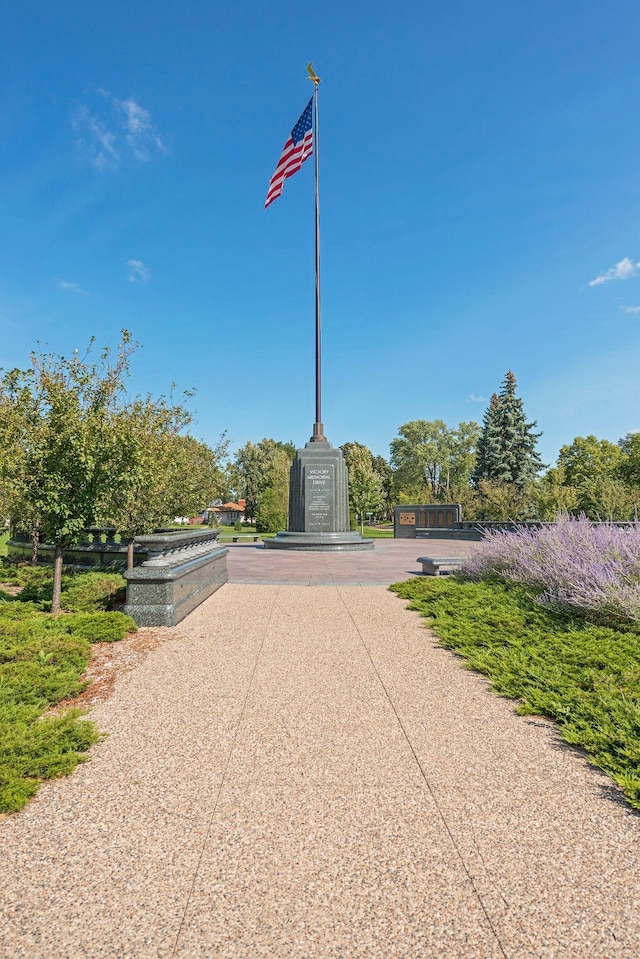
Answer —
(574, 563)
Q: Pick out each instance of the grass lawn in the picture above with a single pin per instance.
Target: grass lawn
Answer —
(4, 539)
(42, 659)
(557, 664)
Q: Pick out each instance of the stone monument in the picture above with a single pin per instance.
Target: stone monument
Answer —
(319, 501)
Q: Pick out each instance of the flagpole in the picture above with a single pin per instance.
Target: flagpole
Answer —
(318, 429)
(319, 487)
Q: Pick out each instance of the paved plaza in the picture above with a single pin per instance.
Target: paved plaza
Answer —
(391, 561)
(299, 770)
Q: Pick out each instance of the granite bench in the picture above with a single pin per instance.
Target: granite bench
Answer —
(431, 565)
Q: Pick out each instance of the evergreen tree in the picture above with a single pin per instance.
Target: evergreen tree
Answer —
(507, 446)
(489, 446)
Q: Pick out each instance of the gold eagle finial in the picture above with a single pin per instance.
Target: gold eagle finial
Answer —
(312, 74)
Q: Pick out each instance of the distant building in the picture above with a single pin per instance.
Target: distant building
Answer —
(227, 514)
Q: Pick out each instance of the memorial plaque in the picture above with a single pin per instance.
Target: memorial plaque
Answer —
(319, 498)
(410, 517)
(407, 519)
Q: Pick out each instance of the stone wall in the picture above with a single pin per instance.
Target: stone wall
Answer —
(181, 571)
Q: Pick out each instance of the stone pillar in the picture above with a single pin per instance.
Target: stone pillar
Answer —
(319, 503)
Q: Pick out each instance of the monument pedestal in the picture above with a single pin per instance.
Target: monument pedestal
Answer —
(319, 501)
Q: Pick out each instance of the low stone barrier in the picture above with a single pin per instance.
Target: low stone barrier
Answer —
(476, 530)
(182, 570)
(97, 546)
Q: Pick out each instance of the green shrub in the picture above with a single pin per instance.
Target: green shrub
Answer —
(33, 749)
(39, 666)
(89, 592)
(23, 574)
(98, 627)
(42, 659)
(81, 592)
(17, 608)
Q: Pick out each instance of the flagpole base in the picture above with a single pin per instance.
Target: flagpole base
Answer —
(318, 434)
(319, 542)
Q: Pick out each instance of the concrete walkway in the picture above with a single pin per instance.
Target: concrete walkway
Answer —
(303, 772)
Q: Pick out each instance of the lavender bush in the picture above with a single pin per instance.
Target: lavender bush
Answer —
(574, 563)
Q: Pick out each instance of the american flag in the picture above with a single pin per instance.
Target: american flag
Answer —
(296, 150)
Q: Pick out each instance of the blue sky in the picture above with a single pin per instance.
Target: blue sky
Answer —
(480, 204)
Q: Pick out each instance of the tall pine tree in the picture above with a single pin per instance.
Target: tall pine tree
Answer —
(488, 448)
(507, 446)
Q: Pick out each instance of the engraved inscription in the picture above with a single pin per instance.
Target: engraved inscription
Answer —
(319, 499)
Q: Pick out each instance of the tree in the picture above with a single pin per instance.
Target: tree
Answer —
(273, 505)
(383, 469)
(629, 467)
(22, 446)
(489, 443)
(164, 473)
(506, 502)
(588, 459)
(73, 452)
(430, 459)
(507, 445)
(616, 501)
(197, 476)
(365, 484)
(252, 475)
(553, 494)
(62, 409)
(593, 468)
(144, 429)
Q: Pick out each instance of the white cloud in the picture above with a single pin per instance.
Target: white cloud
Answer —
(68, 286)
(623, 270)
(140, 134)
(113, 129)
(96, 140)
(138, 272)
(477, 399)
(630, 309)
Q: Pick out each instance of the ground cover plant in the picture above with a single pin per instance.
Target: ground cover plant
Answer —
(42, 659)
(552, 619)
(81, 591)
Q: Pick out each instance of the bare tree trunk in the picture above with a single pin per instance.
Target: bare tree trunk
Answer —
(57, 579)
(35, 543)
(130, 554)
